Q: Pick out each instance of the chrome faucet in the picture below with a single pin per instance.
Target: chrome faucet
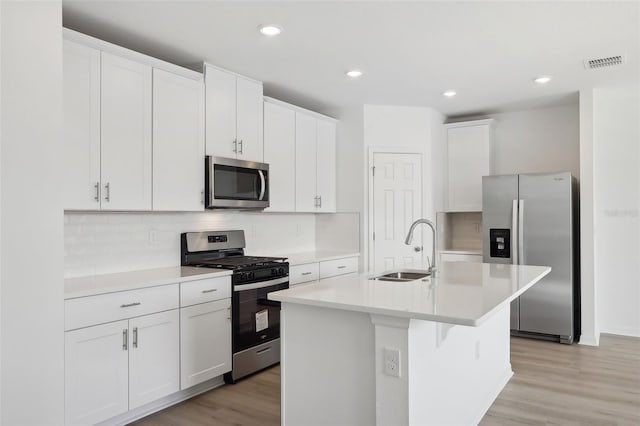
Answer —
(432, 266)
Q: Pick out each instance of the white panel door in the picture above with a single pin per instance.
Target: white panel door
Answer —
(249, 120)
(397, 202)
(96, 379)
(154, 357)
(126, 134)
(326, 166)
(220, 89)
(205, 342)
(178, 142)
(279, 153)
(306, 135)
(81, 150)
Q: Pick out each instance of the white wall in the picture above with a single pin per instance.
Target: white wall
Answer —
(99, 243)
(415, 128)
(31, 286)
(616, 172)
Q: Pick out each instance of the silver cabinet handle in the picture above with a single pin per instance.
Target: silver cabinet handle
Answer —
(210, 290)
(229, 317)
(235, 146)
(128, 305)
(125, 338)
(135, 337)
(241, 146)
(320, 201)
(316, 202)
(202, 197)
(97, 188)
(342, 266)
(107, 190)
(306, 273)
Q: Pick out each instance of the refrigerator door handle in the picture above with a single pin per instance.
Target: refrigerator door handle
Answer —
(514, 232)
(521, 232)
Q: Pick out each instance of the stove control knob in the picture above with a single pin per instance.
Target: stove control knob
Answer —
(243, 276)
(280, 271)
(250, 275)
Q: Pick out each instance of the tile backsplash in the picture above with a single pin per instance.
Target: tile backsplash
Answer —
(99, 243)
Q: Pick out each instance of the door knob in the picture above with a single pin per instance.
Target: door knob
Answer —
(417, 249)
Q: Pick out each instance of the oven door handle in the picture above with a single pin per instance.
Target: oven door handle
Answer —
(261, 284)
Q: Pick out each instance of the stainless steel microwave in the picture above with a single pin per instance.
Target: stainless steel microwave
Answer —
(236, 184)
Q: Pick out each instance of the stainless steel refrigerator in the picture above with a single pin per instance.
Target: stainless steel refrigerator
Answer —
(532, 219)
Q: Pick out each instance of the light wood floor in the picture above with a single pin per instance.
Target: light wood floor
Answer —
(552, 384)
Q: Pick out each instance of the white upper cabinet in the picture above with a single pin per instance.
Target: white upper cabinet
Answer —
(468, 159)
(234, 116)
(279, 153)
(81, 149)
(178, 142)
(326, 166)
(125, 134)
(306, 135)
(315, 164)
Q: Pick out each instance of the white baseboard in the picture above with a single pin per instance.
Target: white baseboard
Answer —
(590, 340)
(162, 403)
(630, 332)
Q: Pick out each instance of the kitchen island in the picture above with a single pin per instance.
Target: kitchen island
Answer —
(433, 351)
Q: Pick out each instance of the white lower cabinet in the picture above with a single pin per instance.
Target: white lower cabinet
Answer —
(154, 357)
(205, 341)
(96, 373)
(314, 271)
(116, 367)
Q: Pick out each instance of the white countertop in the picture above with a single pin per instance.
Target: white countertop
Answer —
(462, 251)
(301, 258)
(109, 283)
(462, 293)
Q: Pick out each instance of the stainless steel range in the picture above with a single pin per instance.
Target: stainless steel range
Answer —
(255, 320)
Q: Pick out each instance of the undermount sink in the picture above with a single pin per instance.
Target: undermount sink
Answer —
(402, 276)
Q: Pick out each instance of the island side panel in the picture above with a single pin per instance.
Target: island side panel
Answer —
(456, 372)
(328, 366)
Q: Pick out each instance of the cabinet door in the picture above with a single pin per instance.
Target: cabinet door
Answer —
(81, 150)
(306, 135)
(249, 120)
(126, 134)
(154, 357)
(205, 341)
(220, 90)
(178, 142)
(326, 167)
(96, 379)
(468, 160)
(279, 153)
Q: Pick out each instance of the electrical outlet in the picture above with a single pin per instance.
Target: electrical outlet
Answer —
(152, 236)
(392, 362)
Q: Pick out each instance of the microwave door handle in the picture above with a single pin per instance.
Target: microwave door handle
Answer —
(263, 185)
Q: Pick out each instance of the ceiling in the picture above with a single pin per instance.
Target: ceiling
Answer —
(410, 52)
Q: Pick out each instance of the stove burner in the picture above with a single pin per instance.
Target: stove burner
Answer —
(237, 262)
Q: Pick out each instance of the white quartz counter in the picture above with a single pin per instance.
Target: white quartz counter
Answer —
(108, 283)
(461, 293)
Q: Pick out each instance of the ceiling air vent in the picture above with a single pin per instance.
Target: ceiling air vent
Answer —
(592, 64)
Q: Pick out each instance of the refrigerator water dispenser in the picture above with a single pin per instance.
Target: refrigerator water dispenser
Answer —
(500, 242)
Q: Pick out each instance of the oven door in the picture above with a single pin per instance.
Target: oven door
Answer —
(255, 319)
(232, 183)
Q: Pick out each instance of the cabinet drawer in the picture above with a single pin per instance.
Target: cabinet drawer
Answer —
(91, 310)
(331, 268)
(304, 273)
(207, 290)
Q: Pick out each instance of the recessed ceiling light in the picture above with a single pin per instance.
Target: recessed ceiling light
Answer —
(270, 29)
(543, 79)
(449, 93)
(354, 73)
